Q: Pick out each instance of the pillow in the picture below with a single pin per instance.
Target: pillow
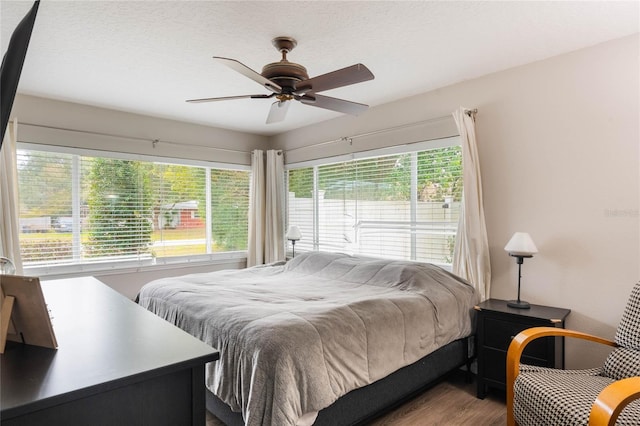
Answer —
(628, 332)
(622, 363)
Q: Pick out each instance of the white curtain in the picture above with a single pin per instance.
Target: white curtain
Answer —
(266, 209)
(9, 206)
(255, 249)
(274, 248)
(471, 252)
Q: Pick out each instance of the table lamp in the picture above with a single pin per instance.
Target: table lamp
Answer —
(293, 235)
(520, 246)
(6, 266)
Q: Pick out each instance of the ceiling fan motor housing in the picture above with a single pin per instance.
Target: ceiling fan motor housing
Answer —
(284, 73)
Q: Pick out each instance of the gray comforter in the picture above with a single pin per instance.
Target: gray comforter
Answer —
(295, 337)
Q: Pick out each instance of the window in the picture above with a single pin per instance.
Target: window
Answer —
(404, 206)
(84, 209)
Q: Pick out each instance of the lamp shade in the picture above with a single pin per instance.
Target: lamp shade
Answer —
(6, 266)
(293, 233)
(521, 244)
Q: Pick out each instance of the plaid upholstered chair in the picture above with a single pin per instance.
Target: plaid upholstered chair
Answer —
(609, 395)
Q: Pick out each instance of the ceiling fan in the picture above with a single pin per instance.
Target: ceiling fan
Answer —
(289, 81)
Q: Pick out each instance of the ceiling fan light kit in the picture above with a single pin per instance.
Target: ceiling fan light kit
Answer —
(289, 81)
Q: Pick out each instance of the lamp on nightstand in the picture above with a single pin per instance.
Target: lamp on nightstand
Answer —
(520, 246)
(293, 235)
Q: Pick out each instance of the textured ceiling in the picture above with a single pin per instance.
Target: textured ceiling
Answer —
(148, 57)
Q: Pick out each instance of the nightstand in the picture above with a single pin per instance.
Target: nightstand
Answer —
(497, 324)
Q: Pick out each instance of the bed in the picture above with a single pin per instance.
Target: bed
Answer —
(303, 341)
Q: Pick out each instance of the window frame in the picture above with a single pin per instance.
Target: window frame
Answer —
(120, 266)
(413, 147)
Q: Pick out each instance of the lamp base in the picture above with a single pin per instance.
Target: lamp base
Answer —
(518, 304)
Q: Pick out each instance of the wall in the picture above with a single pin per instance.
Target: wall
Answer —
(129, 282)
(81, 126)
(559, 150)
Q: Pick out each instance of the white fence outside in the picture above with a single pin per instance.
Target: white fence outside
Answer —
(378, 228)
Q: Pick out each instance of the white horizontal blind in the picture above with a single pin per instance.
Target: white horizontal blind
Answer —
(46, 196)
(179, 210)
(402, 206)
(300, 205)
(83, 209)
(117, 217)
(439, 196)
(229, 209)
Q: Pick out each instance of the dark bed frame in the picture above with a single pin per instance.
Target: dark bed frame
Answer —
(361, 405)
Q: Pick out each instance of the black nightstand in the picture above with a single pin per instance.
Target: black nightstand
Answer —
(497, 324)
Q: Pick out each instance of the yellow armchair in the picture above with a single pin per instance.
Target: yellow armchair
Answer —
(612, 400)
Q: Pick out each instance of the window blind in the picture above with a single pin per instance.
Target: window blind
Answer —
(86, 209)
(403, 206)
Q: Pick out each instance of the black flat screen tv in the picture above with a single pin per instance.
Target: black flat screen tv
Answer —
(12, 62)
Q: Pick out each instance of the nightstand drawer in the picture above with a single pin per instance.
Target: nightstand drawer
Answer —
(501, 332)
(496, 360)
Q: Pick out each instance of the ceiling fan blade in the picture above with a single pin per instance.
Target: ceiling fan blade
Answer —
(350, 75)
(248, 72)
(334, 104)
(228, 98)
(278, 111)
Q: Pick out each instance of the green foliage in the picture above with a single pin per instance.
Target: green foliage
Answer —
(52, 199)
(229, 201)
(388, 178)
(120, 208)
(440, 174)
(301, 182)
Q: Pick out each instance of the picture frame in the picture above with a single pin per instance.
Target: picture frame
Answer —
(24, 316)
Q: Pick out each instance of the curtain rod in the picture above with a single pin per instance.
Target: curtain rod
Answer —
(469, 112)
(154, 142)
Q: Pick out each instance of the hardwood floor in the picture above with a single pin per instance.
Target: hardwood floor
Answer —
(451, 402)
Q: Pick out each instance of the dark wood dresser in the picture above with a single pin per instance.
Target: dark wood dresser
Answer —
(116, 364)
